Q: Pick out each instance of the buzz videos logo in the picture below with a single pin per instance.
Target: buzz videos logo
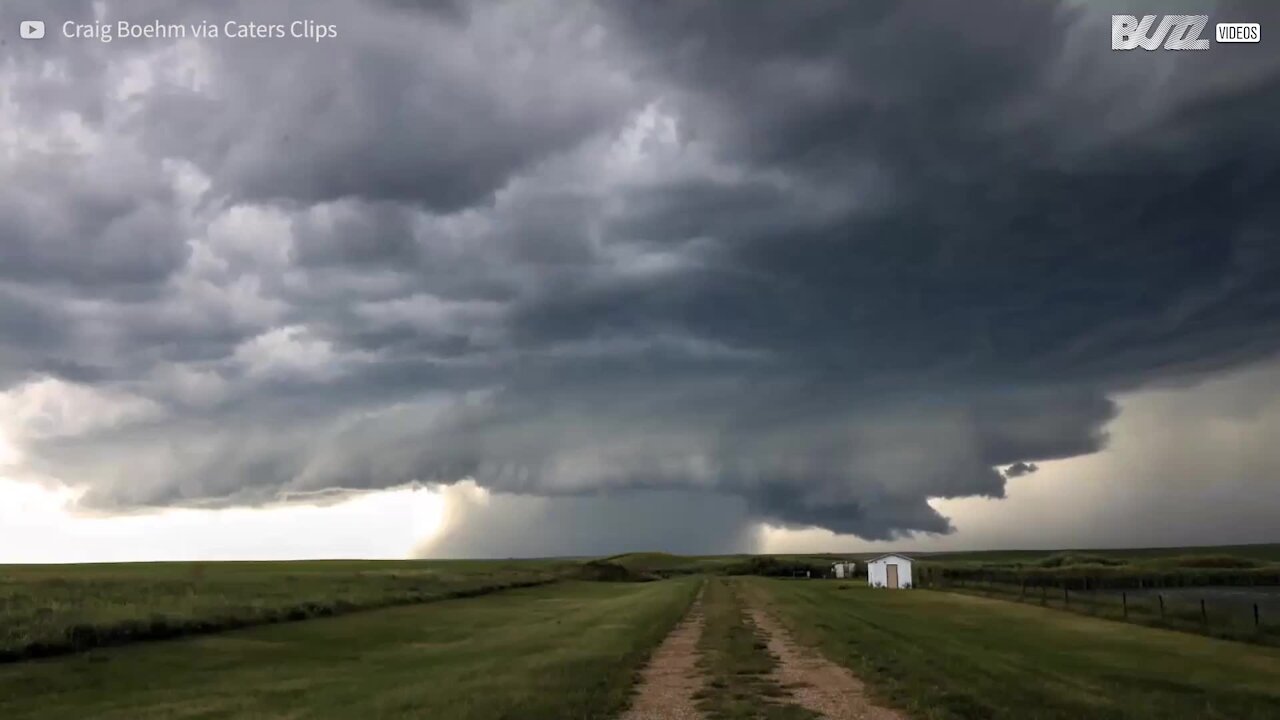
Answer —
(1175, 32)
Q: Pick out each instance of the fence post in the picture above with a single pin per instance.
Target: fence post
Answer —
(1204, 616)
(1256, 622)
(1044, 594)
(1124, 604)
(1160, 597)
(1066, 597)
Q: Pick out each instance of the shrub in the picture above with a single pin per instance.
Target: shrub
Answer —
(1069, 558)
(775, 567)
(609, 571)
(1212, 561)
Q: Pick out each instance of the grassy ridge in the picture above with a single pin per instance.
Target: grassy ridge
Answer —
(1249, 564)
(1091, 571)
(737, 663)
(944, 656)
(52, 609)
(557, 652)
(1267, 552)
(668, 565)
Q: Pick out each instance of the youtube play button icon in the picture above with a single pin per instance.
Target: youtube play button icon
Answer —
(31, 29)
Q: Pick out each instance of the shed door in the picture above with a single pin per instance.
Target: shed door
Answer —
(893, 575)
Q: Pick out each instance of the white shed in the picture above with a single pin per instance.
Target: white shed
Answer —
(844, 569)
(889, 571)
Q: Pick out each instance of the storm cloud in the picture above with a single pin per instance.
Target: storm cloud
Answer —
(822, 261)
(1020, 468)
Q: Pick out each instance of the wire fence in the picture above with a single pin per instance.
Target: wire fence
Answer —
(1240, 613)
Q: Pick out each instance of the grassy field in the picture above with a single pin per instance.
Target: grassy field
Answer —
(562, 651)
(737, 663)
(948, 656)
(51, 609)
(569, 648)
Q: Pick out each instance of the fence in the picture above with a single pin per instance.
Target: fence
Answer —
(1239, 613)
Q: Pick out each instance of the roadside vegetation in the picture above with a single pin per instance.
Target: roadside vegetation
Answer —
(947, 656)
(737, 663)
(566, 650)
(53, 609)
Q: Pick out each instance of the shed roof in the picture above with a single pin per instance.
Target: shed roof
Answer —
(897, 555)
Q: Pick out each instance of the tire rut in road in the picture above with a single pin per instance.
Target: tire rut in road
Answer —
(671, 678)
(813, 681)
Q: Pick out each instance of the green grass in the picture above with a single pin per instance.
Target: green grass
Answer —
(947, 656)
(562, 651)
(737, 663)
(52, 609)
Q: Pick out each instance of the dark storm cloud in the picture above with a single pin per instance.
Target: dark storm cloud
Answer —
(431, 108)
(120, 214)
(831, 260)
(347, 234)
(985, 249)
(1019, 469)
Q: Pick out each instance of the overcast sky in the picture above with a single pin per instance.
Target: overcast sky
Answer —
(531, 278)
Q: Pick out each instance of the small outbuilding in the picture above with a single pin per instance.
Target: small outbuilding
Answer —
(889, 571)
(844, 569)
